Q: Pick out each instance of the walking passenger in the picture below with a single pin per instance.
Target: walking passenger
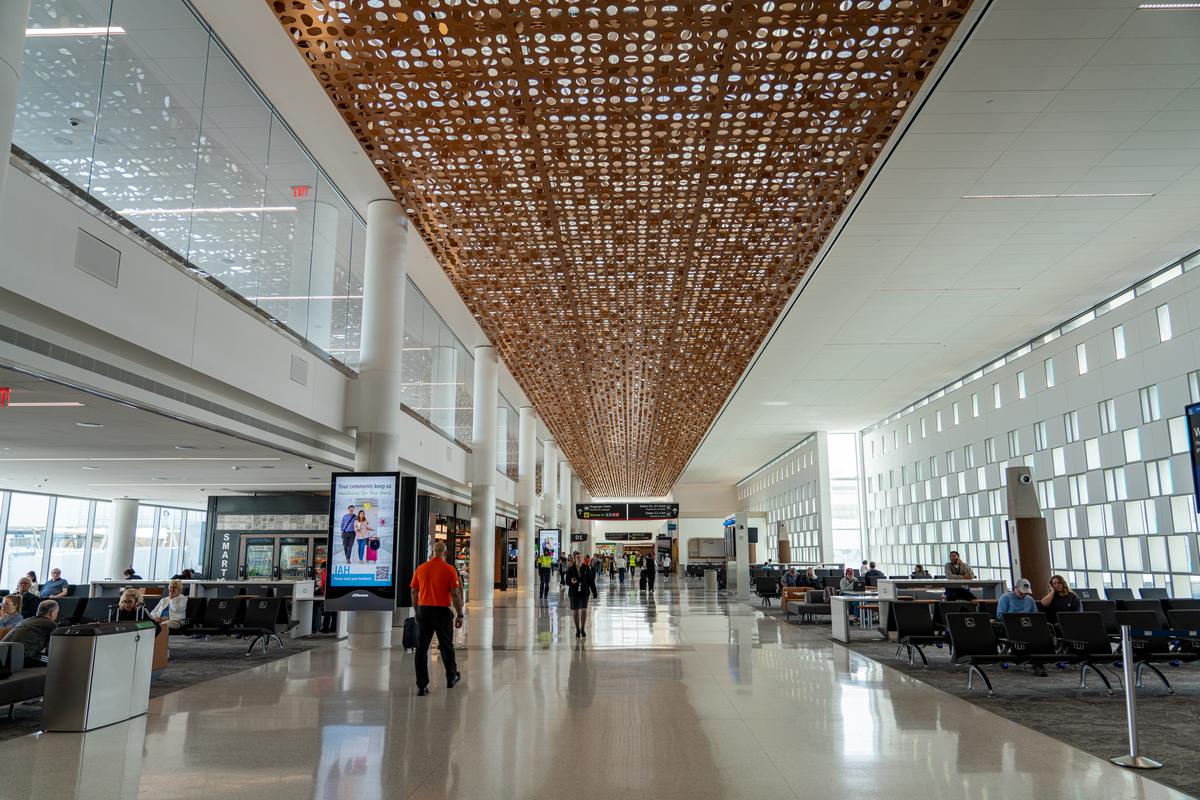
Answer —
(437, 588)
(621, 565)
(544, 562)
(582, 584)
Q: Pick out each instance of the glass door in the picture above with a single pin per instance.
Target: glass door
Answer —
(258, 556)
(293, 558)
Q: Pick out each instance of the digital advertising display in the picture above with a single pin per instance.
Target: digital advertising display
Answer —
(362, 537)
(1193, 423)
(550, 539)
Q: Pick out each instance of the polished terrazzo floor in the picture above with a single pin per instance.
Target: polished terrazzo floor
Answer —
(685, 695)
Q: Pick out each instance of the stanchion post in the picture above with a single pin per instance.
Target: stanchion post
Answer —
(1132, 759)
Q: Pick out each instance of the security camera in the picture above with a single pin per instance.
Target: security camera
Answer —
(1027, 478)
(308, 466)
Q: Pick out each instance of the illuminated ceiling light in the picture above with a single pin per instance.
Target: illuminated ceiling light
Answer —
(140, 458)
(1064, 195)
(64, 404)
(776, 403)
(1169, 6)
(111, 30)
(145, 212)
(90, 424)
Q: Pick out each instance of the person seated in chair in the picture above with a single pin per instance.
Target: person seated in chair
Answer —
(10, 611)
(789, 578)
(920, 572)
(958, 570)
(171, 610)
(55, 587)
(131, 609)
(1018, 601)
(34, 633)
(1060, 598)
(873, 572)
(847, 583)
(29, 600)
(809, 579)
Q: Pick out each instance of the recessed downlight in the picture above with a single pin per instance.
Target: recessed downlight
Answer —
(89, 466)
(1062, 195)
(184, 447)
(775, 403)
(90, 424)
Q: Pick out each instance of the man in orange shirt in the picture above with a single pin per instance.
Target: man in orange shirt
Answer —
(436, 586)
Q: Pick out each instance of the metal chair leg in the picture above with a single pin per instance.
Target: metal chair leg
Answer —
(921, 653)
(1157, 672)
(976, 670)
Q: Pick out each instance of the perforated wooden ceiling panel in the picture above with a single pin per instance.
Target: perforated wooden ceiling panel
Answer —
(624, 195)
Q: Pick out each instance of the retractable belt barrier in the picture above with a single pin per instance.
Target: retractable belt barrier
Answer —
(1133, 758)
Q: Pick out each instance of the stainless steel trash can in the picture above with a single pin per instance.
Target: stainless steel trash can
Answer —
(710, 580)
(98, 674)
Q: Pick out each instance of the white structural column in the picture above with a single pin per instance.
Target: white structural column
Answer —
(741, 548)
(576, 497)
(550, 486)
(566, 514)
(483, 478)
(526, 496)
(374, 399)
(121, 542)
(443, 389)
(14, 14)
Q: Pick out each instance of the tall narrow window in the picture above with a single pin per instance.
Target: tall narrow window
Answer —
(923, 432)
(1071, 426)
(937, 420)
(1133, 445)
(1021, 394)
(1151, 410)
(989, 450)
(1119, 341)
(1039, 436)
(995, 395)
(908, 432)
(1108, 416)
(1014, 444)
(1049, 365)
(954, 411)
(1081, 357)
(1164, 322)
(975, 404)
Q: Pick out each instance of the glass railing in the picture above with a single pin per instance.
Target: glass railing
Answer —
(139, 106)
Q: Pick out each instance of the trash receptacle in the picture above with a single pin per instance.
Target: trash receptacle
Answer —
(710, 580)
(98, 674)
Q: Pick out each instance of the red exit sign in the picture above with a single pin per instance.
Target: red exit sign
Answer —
(5, 395)
(300, 191)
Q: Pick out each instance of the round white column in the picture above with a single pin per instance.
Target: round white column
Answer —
(566, 514)
(374, 399)
(483, 484)
(527, 497)
(14, 15)
(443, 389)
(121, 537)
(550, 487)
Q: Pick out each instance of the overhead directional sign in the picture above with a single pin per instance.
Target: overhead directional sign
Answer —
(617, 511)
(654, 511)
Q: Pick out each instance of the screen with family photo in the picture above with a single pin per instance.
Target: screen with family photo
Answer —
(362, 539)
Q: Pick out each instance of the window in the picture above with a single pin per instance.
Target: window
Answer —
(1014, 444)
(1021, 393)
(895, 439)
(908, 432)
(1039, 436)
(954, 411)
(1194, 385)
(1081, 357)
(1079, 490)
(1119, 341)
(1151, 411)
(996, 395)
(969, 456)
(1177, 428)
(68, 544)
(989, 450)
(1158, 477)
(923, 432)
(1108, 416)
(143, 539)
(1071, 426)
(168, 544)
(951, 462)
(1045, 490)
(101, 528)
(1164, 322)
(25, 537)
(1133, 445)
(1049, 365)
(1091, 449)
(933, 467)
(1114, 485)
(975, 403)
(937, 420)
(1059, 458)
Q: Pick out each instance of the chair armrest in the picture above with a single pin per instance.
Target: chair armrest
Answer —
(12, 656)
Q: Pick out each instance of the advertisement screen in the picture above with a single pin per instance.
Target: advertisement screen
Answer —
(1193, 423)
(549, 539)
(363, 535)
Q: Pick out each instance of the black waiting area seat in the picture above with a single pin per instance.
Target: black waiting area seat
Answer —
(1118, 593)
(1086, 639)
(767, 588)
(1151, 650)
(1088, 594)
(973, 643)
(914, 630)
(1149, 606)
(1107, 609)
(1153, 593)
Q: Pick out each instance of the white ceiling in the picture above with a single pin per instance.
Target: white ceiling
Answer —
(922, 286)
(136, 453)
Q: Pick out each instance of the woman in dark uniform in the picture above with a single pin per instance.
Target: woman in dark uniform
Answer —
(581, 582)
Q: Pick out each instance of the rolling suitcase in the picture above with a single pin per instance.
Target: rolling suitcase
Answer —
(408, 638)
(642, 581)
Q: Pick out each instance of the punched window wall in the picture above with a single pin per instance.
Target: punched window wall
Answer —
(44, 532)
(788, 491)
(1107, 446)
